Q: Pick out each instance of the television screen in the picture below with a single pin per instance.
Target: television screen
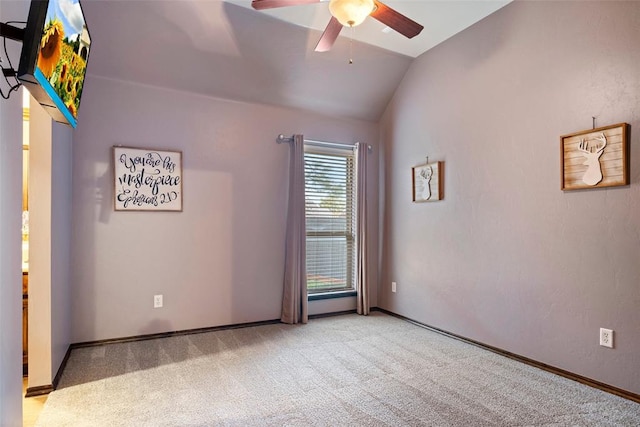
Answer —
(54, 57)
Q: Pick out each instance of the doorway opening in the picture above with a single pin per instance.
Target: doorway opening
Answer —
(25, 231)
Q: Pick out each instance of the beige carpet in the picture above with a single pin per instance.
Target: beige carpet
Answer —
(339, 371)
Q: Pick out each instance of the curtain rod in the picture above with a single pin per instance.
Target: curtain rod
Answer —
(281, 138)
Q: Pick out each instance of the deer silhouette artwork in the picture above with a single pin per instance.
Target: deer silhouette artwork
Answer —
(426, 175)
(593, 175)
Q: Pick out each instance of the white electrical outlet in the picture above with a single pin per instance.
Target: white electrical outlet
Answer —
(157, 301)
(393, 286)
(606, 337)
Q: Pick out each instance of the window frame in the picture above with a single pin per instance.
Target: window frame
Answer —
(349, 234)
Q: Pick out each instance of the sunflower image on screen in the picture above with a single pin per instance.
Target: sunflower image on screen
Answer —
(62, 61)
(50, 47)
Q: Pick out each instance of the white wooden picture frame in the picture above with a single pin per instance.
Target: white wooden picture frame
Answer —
(147, 179)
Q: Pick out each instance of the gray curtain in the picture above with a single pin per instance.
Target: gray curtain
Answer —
(362, 279)
(294, 298)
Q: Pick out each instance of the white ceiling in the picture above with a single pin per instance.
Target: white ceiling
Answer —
(226, 49)
(441, 19)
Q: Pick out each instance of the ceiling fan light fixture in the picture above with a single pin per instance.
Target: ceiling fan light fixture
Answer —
(351, 12)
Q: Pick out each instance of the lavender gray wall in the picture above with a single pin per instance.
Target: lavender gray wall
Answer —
(218, 262)
(10, 240)
(507, 258)
(10, 262)
(61, 226)
(10, 272)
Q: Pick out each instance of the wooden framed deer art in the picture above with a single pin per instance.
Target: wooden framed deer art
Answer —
(427, 182)
(595, 158)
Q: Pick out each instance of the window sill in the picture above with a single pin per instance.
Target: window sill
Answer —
(331, 295)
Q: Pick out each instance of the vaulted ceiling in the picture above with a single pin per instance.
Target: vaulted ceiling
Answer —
(226, 49)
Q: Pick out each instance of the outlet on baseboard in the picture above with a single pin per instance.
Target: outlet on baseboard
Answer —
(157, 301)
(606, 337)
(393, 286)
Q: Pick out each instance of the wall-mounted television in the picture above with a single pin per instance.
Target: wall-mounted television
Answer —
(54, 57)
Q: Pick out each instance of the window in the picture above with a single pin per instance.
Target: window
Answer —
(330, 218)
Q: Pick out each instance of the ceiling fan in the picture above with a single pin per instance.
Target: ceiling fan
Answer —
(349, 13)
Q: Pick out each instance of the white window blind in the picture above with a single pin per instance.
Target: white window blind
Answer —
(330, 216)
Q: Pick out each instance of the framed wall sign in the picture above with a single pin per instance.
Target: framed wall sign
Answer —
(427, 182)
(595, 158)
(147, 179)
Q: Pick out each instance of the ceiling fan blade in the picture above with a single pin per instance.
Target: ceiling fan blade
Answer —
(396, 20)
(329, 36)
(271, 4)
